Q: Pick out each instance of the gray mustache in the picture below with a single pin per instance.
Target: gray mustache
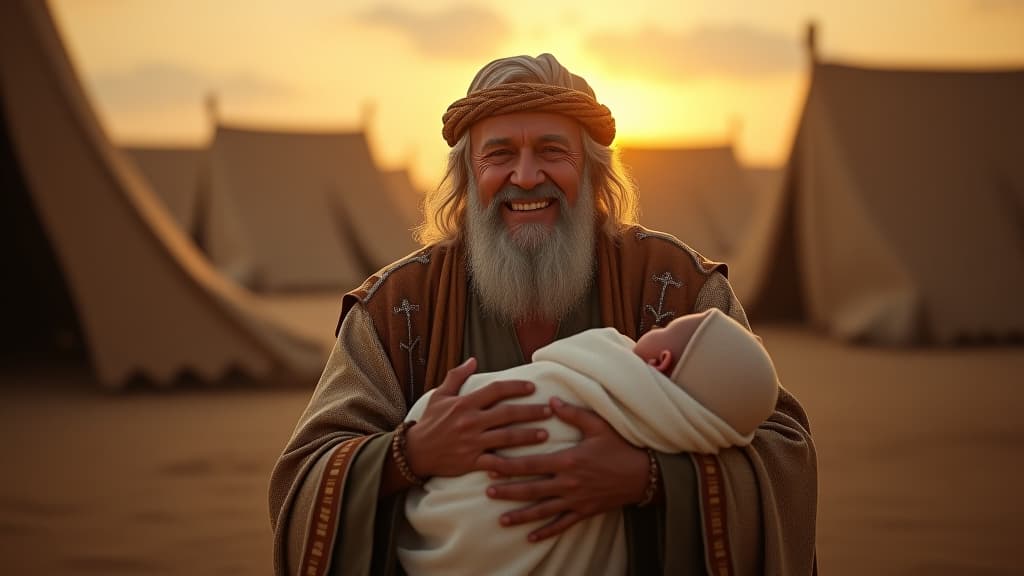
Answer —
(546, 189)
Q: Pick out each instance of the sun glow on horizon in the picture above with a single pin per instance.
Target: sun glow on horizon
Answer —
(693, 80)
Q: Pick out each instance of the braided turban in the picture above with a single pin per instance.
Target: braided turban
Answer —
(528, 97)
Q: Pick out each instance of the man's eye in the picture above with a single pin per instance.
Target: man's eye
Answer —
(497, 153)
(553, 150)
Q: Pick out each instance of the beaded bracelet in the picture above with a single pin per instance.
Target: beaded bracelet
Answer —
(398, 454)
(652, 480)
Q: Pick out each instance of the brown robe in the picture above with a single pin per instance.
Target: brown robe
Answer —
(756, 505)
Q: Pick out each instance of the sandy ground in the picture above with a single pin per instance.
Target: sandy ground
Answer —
(919, 452)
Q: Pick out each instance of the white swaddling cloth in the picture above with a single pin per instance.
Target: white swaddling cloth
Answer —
(452, 526)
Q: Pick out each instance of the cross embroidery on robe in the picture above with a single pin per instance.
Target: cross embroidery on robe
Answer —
(660, 314)
(409, 345)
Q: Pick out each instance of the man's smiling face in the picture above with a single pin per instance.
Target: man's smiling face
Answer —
(527, 157)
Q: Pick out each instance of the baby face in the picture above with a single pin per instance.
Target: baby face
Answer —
(653, 342)
(661, 347)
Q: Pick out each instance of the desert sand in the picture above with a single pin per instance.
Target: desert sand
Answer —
(919, 455)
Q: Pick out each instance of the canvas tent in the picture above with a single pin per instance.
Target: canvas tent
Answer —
(763, 181)
(699, 195)
(901, 216)
(299, 210)
(147, 301)
(174, 174)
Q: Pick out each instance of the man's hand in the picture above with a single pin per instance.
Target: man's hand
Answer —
(454, 431)
(601, 473)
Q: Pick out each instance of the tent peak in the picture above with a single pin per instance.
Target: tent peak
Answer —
(294, 130)
(812, 41)
(212, 105)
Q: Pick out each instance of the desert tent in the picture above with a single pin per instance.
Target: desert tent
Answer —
(299, 209)
(763, 181)
(147, 301)
(901, 215)
(174, 174)
(381, 227)
(699, 194)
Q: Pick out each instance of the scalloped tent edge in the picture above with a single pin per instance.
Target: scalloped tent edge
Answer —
(147, 300)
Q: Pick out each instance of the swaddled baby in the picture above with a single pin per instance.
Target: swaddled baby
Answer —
(700, 384)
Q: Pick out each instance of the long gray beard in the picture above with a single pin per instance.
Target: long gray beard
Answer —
(533, 272)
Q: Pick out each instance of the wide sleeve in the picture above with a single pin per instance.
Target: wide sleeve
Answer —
(769, 487)
(356, 402)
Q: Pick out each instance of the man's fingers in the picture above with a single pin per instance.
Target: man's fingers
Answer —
(498, 391)
(542, 510)
(488, 462)
(505, 414)
(531, 490)
(588, 422)
(524, 465)
(456, 377)
(508, 437)
(555, 527)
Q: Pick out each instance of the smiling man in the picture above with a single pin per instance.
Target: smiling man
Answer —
(530, 219)
(530, 238)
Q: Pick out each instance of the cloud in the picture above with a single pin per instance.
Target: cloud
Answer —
(158, 85)
(455, 32)
(701, 52)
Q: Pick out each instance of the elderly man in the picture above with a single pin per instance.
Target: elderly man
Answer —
(530, 238)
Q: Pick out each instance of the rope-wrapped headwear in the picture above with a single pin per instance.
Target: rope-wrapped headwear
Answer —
(528, 97)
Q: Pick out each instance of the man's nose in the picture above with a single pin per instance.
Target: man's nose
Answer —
(527, 173)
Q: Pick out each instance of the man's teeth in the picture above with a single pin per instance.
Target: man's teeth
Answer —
(528, 206)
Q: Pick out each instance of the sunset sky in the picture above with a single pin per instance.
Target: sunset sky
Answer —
(673, 72)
